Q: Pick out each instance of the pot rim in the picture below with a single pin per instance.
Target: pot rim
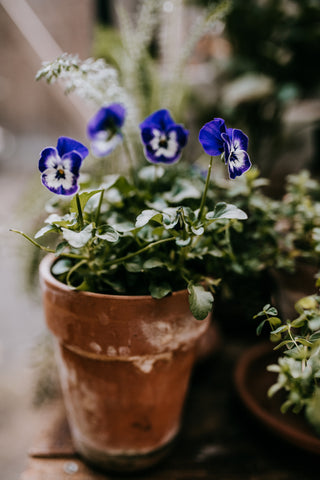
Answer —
(45, 273)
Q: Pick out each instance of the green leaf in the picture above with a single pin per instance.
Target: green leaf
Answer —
(273, 389)
(147, 215)
(133, 266)
(274, 321)
(260, 326)
(153, 263)
(83, 197)
(44, 230)
(78, 239)
(281, 329)
(200, 301)
(183, 189)
(282, 344)
(108, 233)
(306, 303)
(60, 247)
(171, 218)
(61, 266)
(303, 341)
(67, 220)
(214, 252)
(197, 231)
(226, 210)
(183, 242)
(272, 311)
(151, 172)
(110, 181)
(159, 290)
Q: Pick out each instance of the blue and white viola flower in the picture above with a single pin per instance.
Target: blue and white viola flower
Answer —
(60, 166)
(104, 129)
(216, 139)
(163, 139)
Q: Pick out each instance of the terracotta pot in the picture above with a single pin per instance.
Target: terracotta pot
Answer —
(124, 364)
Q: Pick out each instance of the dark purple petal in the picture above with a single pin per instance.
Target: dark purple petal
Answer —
(66, 145)
(71, 161)
(182, 134)
(49, 157)
(210, 137)
(107, 118)
(161, 120)
(152, 156)
(147, 135)
(238, 163)
(239, 139)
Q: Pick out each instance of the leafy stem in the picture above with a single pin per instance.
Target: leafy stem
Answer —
(73, 269)
(204, 195)
(228, 240)
(79, 211)
(48, 249)
(99, 208)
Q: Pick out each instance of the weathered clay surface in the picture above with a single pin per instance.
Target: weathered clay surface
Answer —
(125, 364)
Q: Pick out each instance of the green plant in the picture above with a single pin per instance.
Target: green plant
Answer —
(298, 221)
(298, 366)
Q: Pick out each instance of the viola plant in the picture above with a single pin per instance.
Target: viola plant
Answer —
(151, 231)
(60, 166)
(232, 143)
(163, 139)
(104, 129)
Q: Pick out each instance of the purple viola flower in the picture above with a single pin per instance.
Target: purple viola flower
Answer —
(163, 139)
(216, 139)
(104, 129)
(60, 166)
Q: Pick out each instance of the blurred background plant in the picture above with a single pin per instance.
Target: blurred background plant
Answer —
(298, 364)
(268, 82)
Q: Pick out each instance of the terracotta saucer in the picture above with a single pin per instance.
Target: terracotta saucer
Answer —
(252, 381)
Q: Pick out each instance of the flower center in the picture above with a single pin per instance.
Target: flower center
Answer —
(163, 143)
(60, 173)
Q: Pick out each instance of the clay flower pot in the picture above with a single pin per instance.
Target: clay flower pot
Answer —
(124, 364)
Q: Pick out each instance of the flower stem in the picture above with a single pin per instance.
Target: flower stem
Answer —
(73, 269)
(144, 249)
(99, 208)
(79, 211)
(130, 154)
(204, 195)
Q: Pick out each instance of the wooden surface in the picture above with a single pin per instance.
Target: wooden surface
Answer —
(219, 440)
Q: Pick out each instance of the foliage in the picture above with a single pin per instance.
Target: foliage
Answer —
(299, 221)
(150, 232)
(298, 366)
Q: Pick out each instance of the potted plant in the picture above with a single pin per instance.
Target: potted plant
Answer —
(298, 362)
(297, 226)
(125, 288)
